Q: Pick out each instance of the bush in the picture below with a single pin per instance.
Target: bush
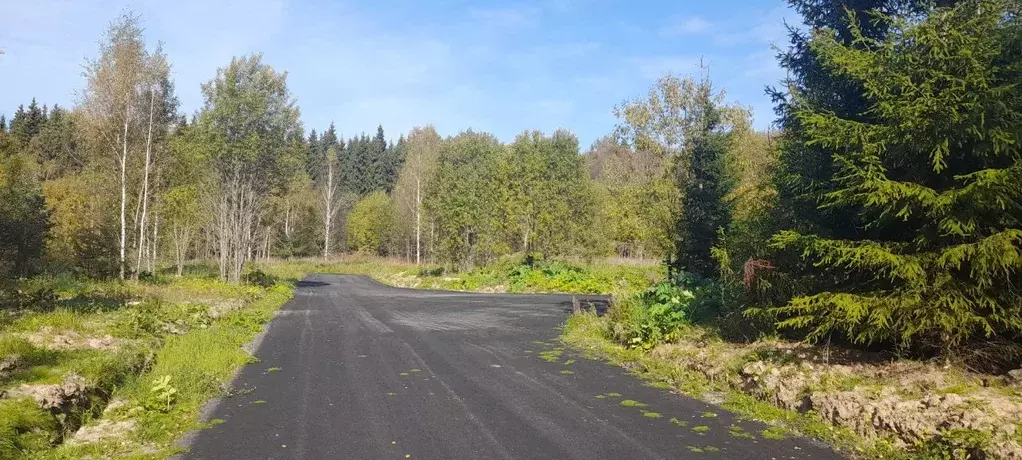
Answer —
(658, 314)
(260, 278)
(39, 299)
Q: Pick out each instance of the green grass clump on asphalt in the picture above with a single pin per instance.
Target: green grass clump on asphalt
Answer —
(589, 334)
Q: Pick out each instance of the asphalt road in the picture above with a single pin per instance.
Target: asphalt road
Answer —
(353, 369)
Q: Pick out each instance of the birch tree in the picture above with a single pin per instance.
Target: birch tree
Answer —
(158, 92)
(330, 194)
(109, 102)
(422, 148)
(250, 125)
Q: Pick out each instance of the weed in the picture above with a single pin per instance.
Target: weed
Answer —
(551, 356)
(701, 429)
(651, 414)
(632, 403)
(738, 432)
(774, 433)
(677, 422)
(161, 395)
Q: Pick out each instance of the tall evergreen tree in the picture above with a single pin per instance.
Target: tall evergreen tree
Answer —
(934, 165)
(377, 174)
(805, 168)
(26, 124)
(705, 210)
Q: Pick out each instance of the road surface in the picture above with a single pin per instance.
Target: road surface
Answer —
(353, 369)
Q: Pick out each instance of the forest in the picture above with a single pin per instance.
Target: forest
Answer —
(882, 212)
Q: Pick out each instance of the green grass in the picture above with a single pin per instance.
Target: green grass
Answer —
(589, 334)
(508, 274)
(24, 427)
(738, 432)
(775, 433)
(551, 356)
(632, 403)
(199, 362)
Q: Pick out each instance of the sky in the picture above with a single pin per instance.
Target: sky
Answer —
(495, 66)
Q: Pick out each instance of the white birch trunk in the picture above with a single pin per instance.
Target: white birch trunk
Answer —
(145, 185)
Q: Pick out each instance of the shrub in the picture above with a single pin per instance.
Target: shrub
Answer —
(657, 315)
(260, 278)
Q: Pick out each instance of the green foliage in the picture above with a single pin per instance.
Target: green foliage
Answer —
(545, 203)
(934, 173)
(24, 220)
(371, 223)
(39, 299)
(956, 444)
(658, 314)
(370, 164)
(463, 197)
(260, 278)
(161, 395)
(704, 177)
(24, 427)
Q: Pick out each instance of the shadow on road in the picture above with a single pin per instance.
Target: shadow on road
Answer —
(311, 284)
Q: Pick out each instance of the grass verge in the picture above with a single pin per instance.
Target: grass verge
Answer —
(588, 333)
(130, 364)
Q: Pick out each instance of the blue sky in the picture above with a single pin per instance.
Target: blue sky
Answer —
(501, 67)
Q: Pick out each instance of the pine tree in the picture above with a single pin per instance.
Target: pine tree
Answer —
(3, 123)
(934, 166)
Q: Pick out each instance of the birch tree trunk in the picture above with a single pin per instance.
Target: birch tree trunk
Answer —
(124, 191)
(145, 185)
(329, 201)
(418, 219)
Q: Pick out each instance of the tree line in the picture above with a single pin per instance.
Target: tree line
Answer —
(883, 209)
(123, 182)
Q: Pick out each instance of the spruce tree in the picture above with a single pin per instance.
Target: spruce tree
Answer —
(312, 164)
(932, 163)
(704, 207)
(805, 168)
